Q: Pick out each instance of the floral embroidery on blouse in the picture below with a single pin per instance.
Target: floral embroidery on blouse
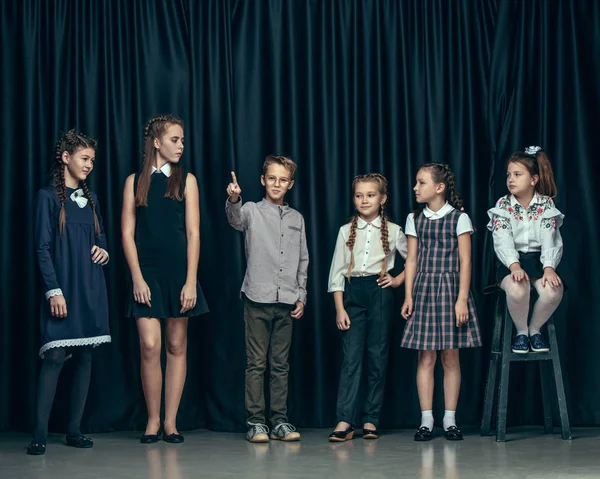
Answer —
(533, 212)
(500, 224)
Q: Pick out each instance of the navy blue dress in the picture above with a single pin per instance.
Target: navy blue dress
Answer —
(66, 266)
(161, 243)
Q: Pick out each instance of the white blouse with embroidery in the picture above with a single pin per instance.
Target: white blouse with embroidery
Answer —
(535, 229)
(368, 252)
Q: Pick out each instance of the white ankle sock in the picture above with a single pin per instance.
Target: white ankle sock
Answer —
(427, 419)
(449, 419)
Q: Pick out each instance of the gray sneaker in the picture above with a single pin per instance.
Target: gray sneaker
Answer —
(257, 433)
(285, 432)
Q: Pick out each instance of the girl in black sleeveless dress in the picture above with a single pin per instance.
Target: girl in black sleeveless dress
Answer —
(161, 240)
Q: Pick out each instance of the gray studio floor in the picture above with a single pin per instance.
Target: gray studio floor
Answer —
(528, 453)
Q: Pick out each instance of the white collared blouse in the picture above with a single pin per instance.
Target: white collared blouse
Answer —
(464, 224)
(368, 251)
(535, 229)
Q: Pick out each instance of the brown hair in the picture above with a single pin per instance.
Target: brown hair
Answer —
(441, 173)
(155, 129)
(71, 142)
(537, 164)
(280, 160)
(385, 242)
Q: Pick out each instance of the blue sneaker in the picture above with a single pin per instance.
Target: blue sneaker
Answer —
(520, 344)
(538, 343)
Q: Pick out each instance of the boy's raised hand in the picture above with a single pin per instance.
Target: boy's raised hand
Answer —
(233, 189)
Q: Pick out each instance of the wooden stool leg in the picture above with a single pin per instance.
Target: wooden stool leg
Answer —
(546, 380)
(490, 386)
(558, 379)
(504, 379)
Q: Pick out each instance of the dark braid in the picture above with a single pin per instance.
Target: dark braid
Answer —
(70, 142)
(155, 129)
(441, 173)
(88, 195)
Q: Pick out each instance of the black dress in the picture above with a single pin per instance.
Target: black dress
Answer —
(66, 266)
(161, 242)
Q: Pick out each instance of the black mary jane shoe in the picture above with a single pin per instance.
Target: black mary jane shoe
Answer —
(36, 449)
(453, 434)
(341, 436)
(80, 442)
(173, 438)
(423, 434)
(370, 434)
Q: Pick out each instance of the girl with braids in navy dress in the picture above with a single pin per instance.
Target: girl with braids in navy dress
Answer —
(359, 280)
(438, 304)
(160, 226)
(71, 250)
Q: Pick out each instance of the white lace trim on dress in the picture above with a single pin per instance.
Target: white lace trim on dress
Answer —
(65, 343)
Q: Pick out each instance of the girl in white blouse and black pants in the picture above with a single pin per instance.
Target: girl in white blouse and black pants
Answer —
(359, 280)
(525, 227)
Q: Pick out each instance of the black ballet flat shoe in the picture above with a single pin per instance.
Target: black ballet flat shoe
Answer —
(453, 434)
(173, 438)
(36, 449)
(150, 438)
(370, 434)
(341, 436)
(80, 442)
(423, 434)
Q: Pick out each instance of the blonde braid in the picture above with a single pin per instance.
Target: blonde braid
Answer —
(350, 244)
(385, 241)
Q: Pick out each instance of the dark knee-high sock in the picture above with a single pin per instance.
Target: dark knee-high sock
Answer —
(52, 364)
(81, 384)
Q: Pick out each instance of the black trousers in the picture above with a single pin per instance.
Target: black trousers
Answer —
(369, 308)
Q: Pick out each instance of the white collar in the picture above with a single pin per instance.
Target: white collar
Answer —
(165, 169)
(362, 223)
(534, 201)
(443, 211)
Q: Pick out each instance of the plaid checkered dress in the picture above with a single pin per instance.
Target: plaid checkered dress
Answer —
(432, 325)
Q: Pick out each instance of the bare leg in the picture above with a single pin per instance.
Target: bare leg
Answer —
(451, 363)
(425, 378)
(176, 370)
(150, 344)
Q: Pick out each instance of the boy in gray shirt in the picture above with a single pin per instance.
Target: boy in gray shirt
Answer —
(274, 292)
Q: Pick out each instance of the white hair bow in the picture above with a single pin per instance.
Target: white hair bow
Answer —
(532, 150)
(78, 197)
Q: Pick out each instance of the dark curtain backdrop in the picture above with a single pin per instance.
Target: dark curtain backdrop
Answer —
(343, 87)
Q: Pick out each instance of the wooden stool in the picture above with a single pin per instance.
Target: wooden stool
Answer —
(502, 356)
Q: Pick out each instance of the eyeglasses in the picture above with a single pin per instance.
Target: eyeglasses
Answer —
(273, 180)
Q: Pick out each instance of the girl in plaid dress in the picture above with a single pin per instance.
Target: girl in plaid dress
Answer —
(439, 306)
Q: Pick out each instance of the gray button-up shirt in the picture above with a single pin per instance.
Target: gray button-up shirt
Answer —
(276, 251)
